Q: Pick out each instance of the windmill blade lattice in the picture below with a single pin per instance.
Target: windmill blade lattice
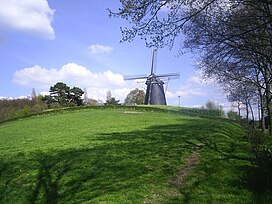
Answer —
(134, 77)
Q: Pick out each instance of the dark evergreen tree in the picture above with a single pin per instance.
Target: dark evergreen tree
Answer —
(63, 95)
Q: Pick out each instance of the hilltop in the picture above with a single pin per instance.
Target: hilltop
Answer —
(125, 155)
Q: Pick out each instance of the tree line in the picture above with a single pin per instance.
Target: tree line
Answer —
(233, 39)
(60, 95)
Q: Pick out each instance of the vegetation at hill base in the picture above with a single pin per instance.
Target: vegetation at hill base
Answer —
(129, 155)
(10, 109)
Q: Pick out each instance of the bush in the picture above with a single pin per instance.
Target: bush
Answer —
(10, 109)
(261, 148)
(232, 115)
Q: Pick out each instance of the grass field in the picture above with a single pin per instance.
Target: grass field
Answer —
(119, 156)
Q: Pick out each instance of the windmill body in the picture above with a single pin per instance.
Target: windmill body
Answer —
(155, 94)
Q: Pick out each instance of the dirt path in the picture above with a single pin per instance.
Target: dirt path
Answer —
(178, 180)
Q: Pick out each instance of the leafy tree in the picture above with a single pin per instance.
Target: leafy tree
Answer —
(136, 96)
(92, 102)
(210, 105)
(243, 93)
(112, 101)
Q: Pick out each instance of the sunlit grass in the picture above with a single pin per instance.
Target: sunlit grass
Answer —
(115, 156)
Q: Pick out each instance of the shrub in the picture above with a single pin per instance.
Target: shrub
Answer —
(10, 109)
(261, 148)
(232, 115)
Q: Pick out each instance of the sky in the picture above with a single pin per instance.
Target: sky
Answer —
(43, 42)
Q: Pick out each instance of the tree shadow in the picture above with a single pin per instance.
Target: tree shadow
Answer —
(118, 163)
(124, 166)
(258, 178)
(47, 181)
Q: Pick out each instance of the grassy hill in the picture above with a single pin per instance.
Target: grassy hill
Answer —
(125, 156)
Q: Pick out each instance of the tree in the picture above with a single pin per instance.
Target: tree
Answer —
(48, 100)
(232, 115)
(236, 46)
(159, 22)
(75, 96)
(243, 93)
(109, 95)
(64, 95)
(85, 97)
(152, 25)
(92, 102)
(210, 105)
(60, 93)
(136, 96)
(112, 101)
(33, 94)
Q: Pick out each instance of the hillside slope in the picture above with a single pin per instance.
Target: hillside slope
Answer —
(123, 156)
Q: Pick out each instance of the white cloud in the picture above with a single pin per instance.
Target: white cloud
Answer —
(29, 16)
(97, 84)
(198, 78)
(99, 49)
(196, 91)
(5, 98)
(36, 76)
(193, 87)
(187, 92)
(70, 73)
(100, 93)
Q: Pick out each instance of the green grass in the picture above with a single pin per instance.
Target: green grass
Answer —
(109, 156)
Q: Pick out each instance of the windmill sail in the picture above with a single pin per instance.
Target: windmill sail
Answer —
(153, 61)
(147, 94)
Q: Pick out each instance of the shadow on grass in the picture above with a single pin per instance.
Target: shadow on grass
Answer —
(258, 177)
(48, 181)
(119, 167)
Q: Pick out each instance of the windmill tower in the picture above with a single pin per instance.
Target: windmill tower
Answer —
(155, 94)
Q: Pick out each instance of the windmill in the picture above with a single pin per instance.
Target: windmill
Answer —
(155, 94)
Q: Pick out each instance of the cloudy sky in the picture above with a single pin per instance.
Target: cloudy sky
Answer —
(43, 42)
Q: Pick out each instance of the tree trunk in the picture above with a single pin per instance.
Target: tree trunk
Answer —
(239, 109)
(247, 113)
(268, 98)
(252, 115)
(261, 109)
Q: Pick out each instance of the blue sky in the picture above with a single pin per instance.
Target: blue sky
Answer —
(43, 42)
